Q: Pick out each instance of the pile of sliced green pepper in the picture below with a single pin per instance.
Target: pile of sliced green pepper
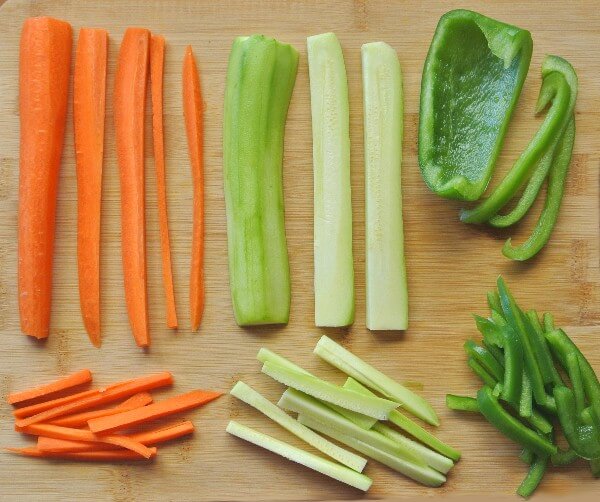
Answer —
(524, 395)
(472, 78)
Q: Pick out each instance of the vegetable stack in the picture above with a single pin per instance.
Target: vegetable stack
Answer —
(536, 384)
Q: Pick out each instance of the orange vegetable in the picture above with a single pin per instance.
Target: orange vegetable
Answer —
(151, 412)
(44, 63)
(80, 419)
(192, 111)
(129, 102)
(89, 98)
(155, 436)
(58, 432)
(105, 396)
(78, 378)
(91, 456)
(157, 57)
(34, 409)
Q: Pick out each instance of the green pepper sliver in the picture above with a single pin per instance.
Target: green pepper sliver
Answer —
(557, 91)
(472, 79)
(508, 425)
(534, 476)
(462, 403)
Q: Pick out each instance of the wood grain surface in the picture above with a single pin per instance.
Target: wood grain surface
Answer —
(450, 265)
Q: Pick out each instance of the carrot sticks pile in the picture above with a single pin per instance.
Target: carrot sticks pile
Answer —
(45, 60)
(80, 426)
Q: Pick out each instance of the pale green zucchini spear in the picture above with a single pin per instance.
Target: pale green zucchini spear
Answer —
(334, 269)
(260, 80)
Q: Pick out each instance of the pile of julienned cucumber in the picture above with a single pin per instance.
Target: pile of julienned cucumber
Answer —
(352, 414)
(260, 81)
(538, 386)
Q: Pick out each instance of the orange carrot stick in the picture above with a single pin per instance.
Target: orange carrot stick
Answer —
(129, 103)
(109, 395)
(153, 411)
(157, 57)
(57, 432)
(89, 98)
(34, 409)
(148, 438)
(78, 378)
(80, 419)
(192, 111)
(90, 456)
(45, 59)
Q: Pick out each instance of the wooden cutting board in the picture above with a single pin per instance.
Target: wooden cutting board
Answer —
(450, 265)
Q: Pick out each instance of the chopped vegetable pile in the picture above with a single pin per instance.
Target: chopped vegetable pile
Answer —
(79, 426)
(350, 415)
(538, 387)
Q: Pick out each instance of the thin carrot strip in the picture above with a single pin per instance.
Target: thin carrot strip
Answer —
(90, 456)
(44, 64)
(89, 98)
(77, 378)
(153, 411)
(157, 57)
(129, 103)
(34, 409)
(80, 419)
(192, 111)
(148, 438)
(57, 432)
(110, 395)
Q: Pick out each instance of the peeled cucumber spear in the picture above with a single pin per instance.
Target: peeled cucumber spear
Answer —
(387, 298)
(260, 80)
(334, 269)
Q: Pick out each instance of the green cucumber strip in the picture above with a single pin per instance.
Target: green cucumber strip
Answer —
(298, 402)
(432, 458)
(415, 430)
(334, 268)
(260, 79)
(371, 406)
(386, 287)
(307, 459)
(358, 418)
(248, 395)
(462, 403)
(422, 474)
(353, 366)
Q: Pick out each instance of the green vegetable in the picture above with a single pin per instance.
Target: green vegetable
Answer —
(534, 476)
(526, 402)
(250, 396)
(555, 90)
(484, 358)
(472, 79)
(386, 288)
(548, 322)
(367, 405)
(462, 403)
(565, 457)
(324, 466)
(366, 374)
(542, 352)
(260, 80)
(298, 402)
(361, 420)
(334, 269)
(422, 474)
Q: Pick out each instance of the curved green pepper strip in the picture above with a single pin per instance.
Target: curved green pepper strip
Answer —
(556, 186)
(555, 90)
(542, 351)
(472, 79)
(583, 439)
(493, 301)
(534, 185)
(493, 411)
(482, 373)
(548, 322)
(462, 403)
(485, 359)
(534, 476)
(526, 456)
(526, 401)
(564, 457)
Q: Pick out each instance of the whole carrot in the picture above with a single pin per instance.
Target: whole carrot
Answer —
(89, 91)
(192, 111)
(157, 56)
(44, 63)
(129, 101)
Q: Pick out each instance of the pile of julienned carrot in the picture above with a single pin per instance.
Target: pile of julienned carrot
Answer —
(88, 425)
(45, 63)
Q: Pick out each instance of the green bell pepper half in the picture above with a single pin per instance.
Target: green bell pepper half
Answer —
(472, 79)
